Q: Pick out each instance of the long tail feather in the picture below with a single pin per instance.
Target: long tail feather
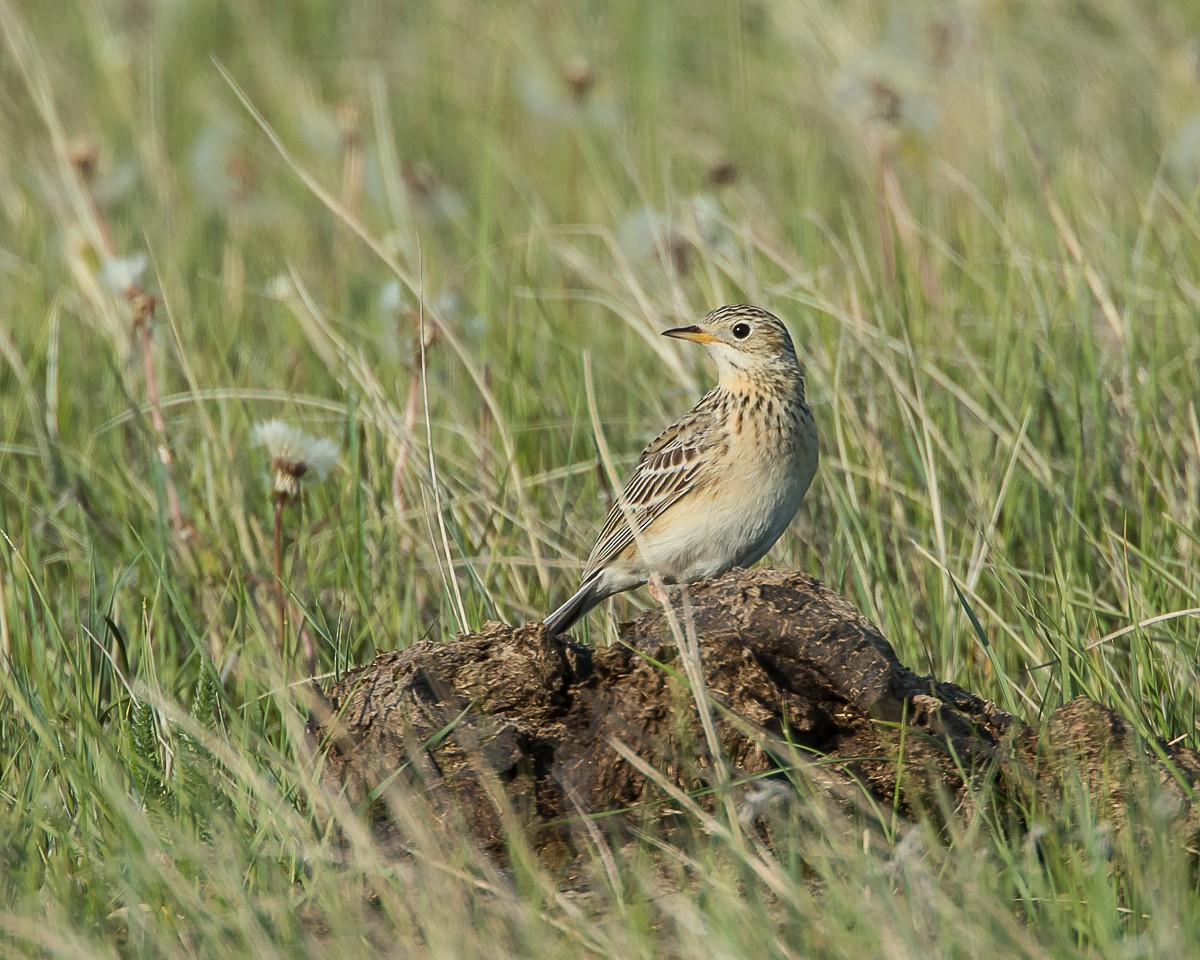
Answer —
(566, 616)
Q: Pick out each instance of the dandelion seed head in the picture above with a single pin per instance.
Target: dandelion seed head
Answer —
(1182, 156)
(121, 274)
(84, 156)
(886, 91)
(280, 287)
(225, 177)
(318, 128)
(295, 456)
(572, 102)
(391, 301)
(115, 184)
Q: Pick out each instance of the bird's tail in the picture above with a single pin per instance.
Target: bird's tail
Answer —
(566, 616)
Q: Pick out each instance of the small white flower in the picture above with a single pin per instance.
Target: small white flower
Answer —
(120, 274)
(295, 456)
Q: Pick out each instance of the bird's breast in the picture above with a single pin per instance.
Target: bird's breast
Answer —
(751, 487)
(771, 460)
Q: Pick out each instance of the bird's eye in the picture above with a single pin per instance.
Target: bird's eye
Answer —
(741, 330)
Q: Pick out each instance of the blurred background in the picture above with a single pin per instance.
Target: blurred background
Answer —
(445, 237)
(978, 219)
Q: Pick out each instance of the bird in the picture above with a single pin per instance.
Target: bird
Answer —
(719, 486)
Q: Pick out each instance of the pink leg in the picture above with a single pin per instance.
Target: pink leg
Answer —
(656, 590)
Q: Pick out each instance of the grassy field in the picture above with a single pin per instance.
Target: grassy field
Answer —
(980, 222)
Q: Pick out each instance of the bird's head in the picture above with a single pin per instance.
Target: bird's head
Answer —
(749, 345)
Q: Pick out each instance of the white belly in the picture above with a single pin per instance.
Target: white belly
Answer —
(734, 525)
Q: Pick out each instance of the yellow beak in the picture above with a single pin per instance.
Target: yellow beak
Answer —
(692, 333)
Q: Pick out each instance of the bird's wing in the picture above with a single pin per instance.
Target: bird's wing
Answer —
(672, 465)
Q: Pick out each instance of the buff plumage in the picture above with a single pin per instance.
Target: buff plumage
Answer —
(718, 487)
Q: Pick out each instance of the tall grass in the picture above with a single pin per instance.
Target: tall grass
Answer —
(980, 222)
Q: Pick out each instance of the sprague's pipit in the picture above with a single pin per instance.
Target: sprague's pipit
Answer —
(720, 485)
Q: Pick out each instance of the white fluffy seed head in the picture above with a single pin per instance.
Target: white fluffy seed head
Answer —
(121, 274)
(295, 456)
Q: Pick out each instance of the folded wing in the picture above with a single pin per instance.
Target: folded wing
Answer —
(672, 465)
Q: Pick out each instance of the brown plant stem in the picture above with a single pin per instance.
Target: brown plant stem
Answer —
(350, 128)
(410, 417)
(894, 210)
(143, 312)
(280, 594)
(142, 305)
(309, 648)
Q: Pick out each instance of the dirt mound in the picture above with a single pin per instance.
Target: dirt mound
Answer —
(510, 727)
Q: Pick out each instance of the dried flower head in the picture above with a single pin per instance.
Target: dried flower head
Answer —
(722, 173)
(295, 456)
(429, 195)
(579, 77)
(84, 156)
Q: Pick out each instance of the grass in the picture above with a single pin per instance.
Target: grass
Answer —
(981, 226)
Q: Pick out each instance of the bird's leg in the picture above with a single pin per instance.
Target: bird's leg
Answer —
(655, 586)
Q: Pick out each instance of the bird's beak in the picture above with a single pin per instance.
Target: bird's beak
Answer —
(693, 333)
